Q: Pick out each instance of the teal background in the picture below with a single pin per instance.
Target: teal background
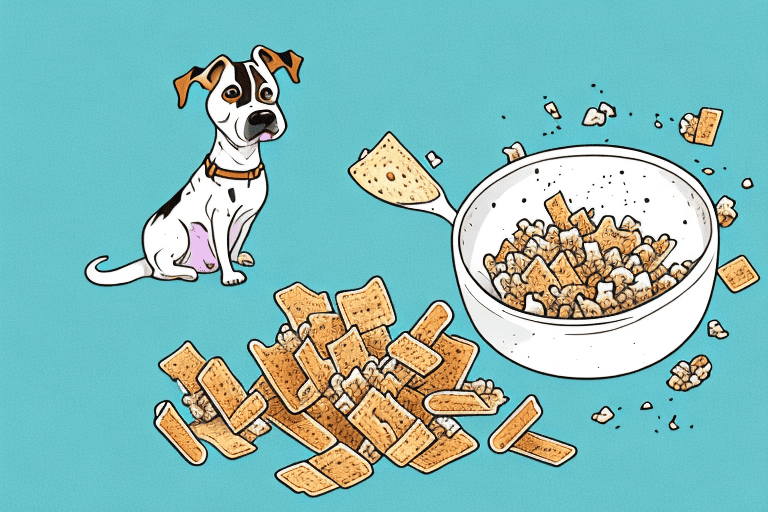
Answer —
(93, 144)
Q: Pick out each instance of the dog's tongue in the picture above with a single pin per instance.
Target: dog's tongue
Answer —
(265, 136)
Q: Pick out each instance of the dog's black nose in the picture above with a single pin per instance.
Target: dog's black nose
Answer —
(259, 122)
(261, 117)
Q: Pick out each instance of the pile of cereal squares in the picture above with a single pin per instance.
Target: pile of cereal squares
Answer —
(340, 385)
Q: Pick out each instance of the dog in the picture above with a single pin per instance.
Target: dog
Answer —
(202, 228)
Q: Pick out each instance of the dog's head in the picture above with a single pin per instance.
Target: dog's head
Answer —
(242, 101)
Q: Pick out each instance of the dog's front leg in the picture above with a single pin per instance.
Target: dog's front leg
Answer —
(220, 226)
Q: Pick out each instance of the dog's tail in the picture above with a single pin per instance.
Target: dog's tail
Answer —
(125, 274)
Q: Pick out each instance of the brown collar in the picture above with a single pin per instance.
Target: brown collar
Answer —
(211, 170)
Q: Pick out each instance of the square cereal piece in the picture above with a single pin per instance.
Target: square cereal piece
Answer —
(325, 328)
(413, 401)
(381, 419)
(298, 302)
(324, 412)
(368, 307)
(376, 341)
(444, 451)
(414, 354)
(183, 366)
(738, 274)
(458, 355)
(348, 352)
(303, 477)
(302, 427)
(411, 444)
(318, 369)
(285, 376)
(221, 437)
(343, 465)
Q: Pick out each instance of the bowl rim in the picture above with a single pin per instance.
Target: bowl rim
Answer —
(698, 270)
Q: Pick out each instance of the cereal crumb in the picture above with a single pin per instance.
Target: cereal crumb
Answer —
(551, 109)
(672, 424)
(514, 152)
(604, 416)
(747, 183)
(715, 330)
(725, 212)
(593, 117)
(646, 406)
(708, 171)
(686, 376)
(607, 109)
(433, 159)
(363, 153)
(658, 124)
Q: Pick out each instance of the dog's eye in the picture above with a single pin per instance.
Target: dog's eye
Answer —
(231, 94)
(266, 94)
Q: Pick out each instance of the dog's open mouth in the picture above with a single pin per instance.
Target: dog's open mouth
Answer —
(261, 125)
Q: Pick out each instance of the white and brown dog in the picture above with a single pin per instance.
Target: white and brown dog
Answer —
(202, 228)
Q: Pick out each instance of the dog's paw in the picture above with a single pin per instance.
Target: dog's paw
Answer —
(245, 259)
(233, 279)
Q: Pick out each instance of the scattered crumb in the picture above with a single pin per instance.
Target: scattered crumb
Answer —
(363, 153)
(708, 171)
(593, 117)
(672, 424)
(604, 416)
(725, 212)
(607, 109)
(551, 109)
(646, 406)
(658, 124)
(433, 159)
(686, 376)
(747, 183)
(514, 152)
(715, 330)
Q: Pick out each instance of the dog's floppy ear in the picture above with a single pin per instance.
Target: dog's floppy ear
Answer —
(274, 61)
(207, 77)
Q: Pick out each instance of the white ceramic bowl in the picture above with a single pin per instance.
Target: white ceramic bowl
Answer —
(614, 181)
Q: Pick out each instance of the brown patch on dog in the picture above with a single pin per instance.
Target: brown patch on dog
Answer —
(288, 60)
(207, 78)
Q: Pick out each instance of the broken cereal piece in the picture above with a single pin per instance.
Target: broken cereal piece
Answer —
(368, 307)
(298, 302)
(285, 376)
(415, 440)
